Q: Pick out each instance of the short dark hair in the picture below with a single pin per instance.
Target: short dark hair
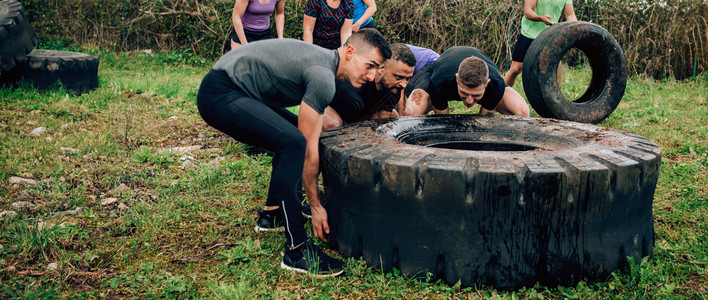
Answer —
(473, 72)
(369, 37)
(402, 53)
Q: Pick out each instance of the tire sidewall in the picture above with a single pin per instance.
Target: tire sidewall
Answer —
(609, 72)
(509, 219)
(17, 38)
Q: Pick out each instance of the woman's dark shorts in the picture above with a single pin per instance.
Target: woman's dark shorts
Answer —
(522, 45)
(252, 35)
(371, 25)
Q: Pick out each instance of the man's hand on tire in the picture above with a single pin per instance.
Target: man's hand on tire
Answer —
(319, 221)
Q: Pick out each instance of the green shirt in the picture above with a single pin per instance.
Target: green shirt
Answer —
(553, 8)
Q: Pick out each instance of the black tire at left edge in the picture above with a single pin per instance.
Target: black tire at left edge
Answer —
(76, 71)
(17, 38)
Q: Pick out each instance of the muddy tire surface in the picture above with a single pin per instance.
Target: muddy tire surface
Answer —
(609, 72)
(17, 38)
(503, 201)
(76, 71)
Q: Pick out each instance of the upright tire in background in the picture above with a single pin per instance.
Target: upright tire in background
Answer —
(17, 38)
(609, 72)
(75, 71)
(503, 201)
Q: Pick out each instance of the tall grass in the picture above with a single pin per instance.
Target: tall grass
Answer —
(661, 38)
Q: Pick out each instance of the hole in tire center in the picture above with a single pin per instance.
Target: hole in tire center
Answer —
(575, 75)
(482, 146)
(464, 132)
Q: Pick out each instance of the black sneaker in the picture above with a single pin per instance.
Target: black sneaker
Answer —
(306, 211)
(308, 258)
(269, 220)
(304, 205)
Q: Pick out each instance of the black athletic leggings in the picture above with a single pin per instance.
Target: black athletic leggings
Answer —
(223, 106)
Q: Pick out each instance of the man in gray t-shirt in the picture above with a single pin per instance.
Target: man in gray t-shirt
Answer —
(245, 95)
(271, 73)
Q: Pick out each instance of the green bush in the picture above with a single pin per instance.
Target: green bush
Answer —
(125, 25)
(660, 38)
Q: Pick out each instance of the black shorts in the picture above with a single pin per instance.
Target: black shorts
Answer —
(371, 25)
(522, 45)
(252, 35)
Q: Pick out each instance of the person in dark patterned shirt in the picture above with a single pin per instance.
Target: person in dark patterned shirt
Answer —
(328, 23)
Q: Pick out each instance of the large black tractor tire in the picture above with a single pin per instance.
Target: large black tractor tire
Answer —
(17, 38)
(503, 201)
(609, 72)
(76, 71)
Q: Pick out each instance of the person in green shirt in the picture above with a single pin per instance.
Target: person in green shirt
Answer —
(538, 15)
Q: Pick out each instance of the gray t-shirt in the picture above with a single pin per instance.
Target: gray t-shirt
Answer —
(283, 72)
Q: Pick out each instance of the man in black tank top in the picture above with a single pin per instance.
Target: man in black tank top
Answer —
(464, 74)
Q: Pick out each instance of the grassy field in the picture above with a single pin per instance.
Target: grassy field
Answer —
(181, 226)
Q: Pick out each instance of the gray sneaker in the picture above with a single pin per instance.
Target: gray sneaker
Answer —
(308, 258)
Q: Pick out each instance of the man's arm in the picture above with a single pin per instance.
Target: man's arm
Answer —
(570, 12)
(332, 119)
(383, 114)
(418, 103)
(529, 6)
(310, 124)
(402, 103)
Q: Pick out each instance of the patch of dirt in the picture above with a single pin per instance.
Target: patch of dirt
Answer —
(696, 284)
(139, 97)
(86, 280)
